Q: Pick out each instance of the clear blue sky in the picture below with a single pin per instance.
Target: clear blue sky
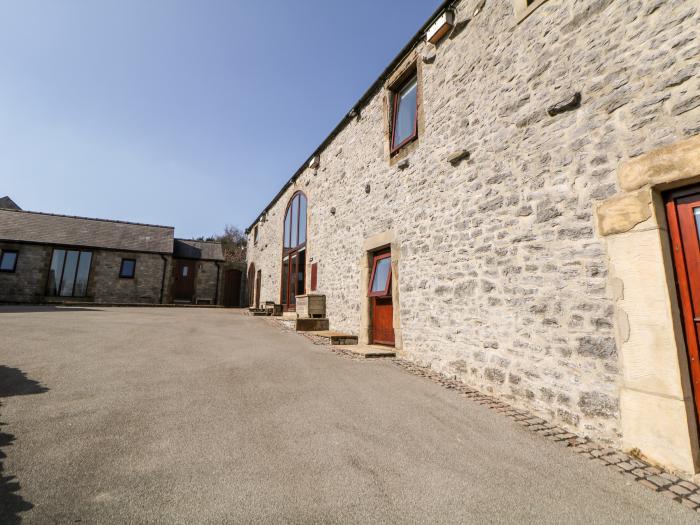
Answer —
(191, 113)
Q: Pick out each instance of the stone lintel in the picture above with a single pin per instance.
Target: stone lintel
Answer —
(676, 162)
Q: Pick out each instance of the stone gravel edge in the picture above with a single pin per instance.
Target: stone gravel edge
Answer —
(653, 478)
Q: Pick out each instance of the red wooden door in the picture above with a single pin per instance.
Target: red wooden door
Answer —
(683, 210)
(382, 327)
(183, 289)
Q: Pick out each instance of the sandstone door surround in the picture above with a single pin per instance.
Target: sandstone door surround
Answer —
(370, 245)
(656, 400)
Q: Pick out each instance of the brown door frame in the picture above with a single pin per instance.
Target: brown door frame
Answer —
(685, 247)
(292, 251)
(381, 298)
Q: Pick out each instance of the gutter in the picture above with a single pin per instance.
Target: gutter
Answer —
(162, 282)
(364, 98)
(216, 293)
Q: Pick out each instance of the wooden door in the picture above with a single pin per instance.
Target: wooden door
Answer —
(683, 210)
(381, 303)
(232, 288)
(183, 289)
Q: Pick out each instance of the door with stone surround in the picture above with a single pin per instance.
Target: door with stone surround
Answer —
(683, 210)
(381, 302)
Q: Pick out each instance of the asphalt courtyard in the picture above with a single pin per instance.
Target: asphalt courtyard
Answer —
(179, 415)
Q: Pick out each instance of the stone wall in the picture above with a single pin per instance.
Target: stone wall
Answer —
(205, 283)
(106, 286)
(27, 284)
(206, 286)
(503, 278)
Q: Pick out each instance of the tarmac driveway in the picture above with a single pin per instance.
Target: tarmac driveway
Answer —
(183, 415)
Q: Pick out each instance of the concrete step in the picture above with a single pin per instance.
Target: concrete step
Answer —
(311, 325)
(336, 338)
(373, 351)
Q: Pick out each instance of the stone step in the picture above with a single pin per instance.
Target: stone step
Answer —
(257, 312)
(336, 338)
(311, 325)
(373, 351)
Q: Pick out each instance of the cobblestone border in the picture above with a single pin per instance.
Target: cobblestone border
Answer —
(635, 469)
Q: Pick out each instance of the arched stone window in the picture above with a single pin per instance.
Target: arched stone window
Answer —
(294, 251)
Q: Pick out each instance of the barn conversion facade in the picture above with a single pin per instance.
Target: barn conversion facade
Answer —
(500, 205)
(47, 258)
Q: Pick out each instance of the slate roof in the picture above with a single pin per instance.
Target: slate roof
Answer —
(46, 228)
(189, 249)
(7, 203)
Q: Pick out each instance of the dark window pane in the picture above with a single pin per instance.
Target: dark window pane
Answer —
(301, 273)
(55, 272)
(288, 229)
(7, 261)
(381, 274)
(302, 219)
(128, 267)
(81, 278)
(292, 283)
(69, 273)
(295, 223)
(405, 121)
(285, 279)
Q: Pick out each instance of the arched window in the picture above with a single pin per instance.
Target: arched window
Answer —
(294, 251)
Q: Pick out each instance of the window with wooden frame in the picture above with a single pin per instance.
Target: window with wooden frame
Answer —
(128, 269)
(294, 251)
(380, 282)
(404, 115)
(523, 8)
(8, 261)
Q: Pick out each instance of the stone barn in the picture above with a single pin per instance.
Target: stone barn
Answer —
(514, 202)
(48, 258)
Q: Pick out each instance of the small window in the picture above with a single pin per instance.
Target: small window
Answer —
(380, 284)
(255, 235)
(185, 271)
(404, 126)
(8, 261)
(128, 269)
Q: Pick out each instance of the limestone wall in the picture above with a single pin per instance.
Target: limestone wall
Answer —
(503, 278)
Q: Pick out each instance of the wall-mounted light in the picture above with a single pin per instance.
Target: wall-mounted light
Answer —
(440, 27)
